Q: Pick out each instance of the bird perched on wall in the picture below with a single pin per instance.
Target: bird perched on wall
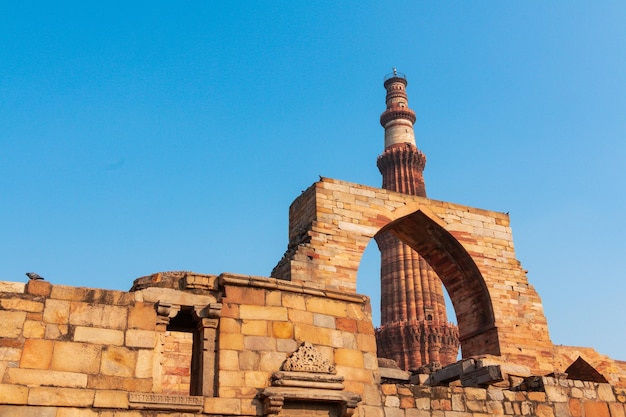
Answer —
(32, 275)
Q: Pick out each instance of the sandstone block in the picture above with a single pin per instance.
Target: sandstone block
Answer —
(76, 412)
(86, 314)
(254, 312)
(282, 330)
(318, 336)
(556, 394)
(118, 361)
(544, 410)
(231, 379)
(140, 338)
(286, 345)
(66, 397)
(326, 306)
(111, 399)
(37, 377)
(299, 316)
(617, 410)
(56, 331)
(356, 374)
(13, 287)
(254, 327)
(25, 411)
(142, 316)
(293, 301)
(37, 354)
(21, 305)
(220, 406)
(228, 360)
(34, 329)
(11, 323)
(366, 342)
(136, 384)
(229, 325)
(596, 409)
(145, 363)
(256, 379)
(346, 324)
(114, 317)
(41, 288)
(99, 336)
(76, 357)
(13, 394)
(245, 295)
(231, 341)
(349, 357)
(65, 292)
(248, 361)
(323, 320)
(259, 343)
(605, 393)
(272, 361)
(12, 354)
(273, 298)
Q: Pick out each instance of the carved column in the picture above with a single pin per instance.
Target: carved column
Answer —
(203, 360)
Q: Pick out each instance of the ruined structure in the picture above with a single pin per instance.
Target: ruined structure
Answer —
(414, 328)
(302, 343)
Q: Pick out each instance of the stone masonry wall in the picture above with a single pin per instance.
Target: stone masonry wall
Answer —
(550, 397)
(471, 250)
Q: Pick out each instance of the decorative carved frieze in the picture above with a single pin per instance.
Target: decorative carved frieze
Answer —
(147, 401)
(307, 376)
(308, 359)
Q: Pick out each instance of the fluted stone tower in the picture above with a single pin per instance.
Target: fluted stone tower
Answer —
(414, 327)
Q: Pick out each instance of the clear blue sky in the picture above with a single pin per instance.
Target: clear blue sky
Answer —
(154, 136)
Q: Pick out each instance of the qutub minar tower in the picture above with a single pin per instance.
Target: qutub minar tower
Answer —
(414, 327)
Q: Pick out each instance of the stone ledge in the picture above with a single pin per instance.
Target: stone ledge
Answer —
(147, 401)
(300, 287)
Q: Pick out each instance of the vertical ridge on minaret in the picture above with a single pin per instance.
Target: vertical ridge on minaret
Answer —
(414, 327)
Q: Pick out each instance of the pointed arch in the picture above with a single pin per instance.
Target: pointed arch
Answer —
(425, 233)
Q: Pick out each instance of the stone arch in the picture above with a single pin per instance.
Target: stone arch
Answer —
(498, 311)
(425, 233)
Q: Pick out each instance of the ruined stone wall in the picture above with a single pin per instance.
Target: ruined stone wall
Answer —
(548, 397)
(69, 352)
(471, 250)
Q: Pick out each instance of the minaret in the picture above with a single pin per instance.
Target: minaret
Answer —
(414, 328)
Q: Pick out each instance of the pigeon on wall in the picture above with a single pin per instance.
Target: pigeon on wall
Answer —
(32, 275)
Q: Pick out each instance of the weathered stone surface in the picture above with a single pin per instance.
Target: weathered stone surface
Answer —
(111, 399)
(11, 323)
(118, 361)
(12, 287)
(35, 287)
(13, 394)
(142, 316)
(40, 377)
(25, 411)
(99, 336)
(140, 338)
(37, 354)
(221, 406)
(34, 329)
(66, 397)
(21, 305)
(252, 312)
(76, 357)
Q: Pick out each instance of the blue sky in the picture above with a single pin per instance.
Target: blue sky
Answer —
(154, 136)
